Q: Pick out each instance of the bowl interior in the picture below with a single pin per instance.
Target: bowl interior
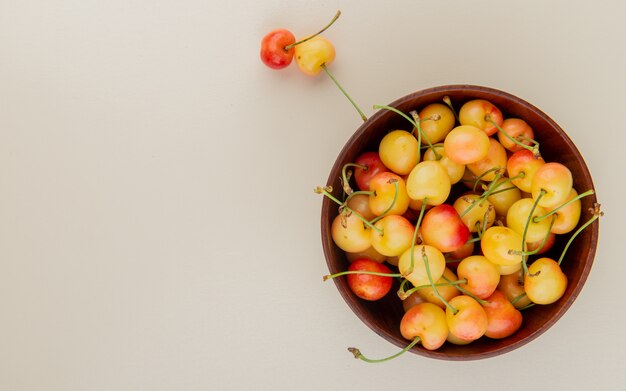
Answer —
(383, 316)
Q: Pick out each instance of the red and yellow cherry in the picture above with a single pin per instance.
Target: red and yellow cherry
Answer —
(426, 321)
(360, 203)
(456, 340)
(455, 170)
(383, 188)
(349, 233)
(503, 319)
(545, 245)
(517, 219)
(311, 55)
(274, 52)
(443, 228)
(436, 130)
(373, 166)
(469, 322)
(501, 198)
(411, 301)
(478, 112)
(475, 216)
(419, 274)
(466, 144)
(512, 285)
(568, 216)
(446, 291)
(394, 235)
(497, 242)
(495, 158)
(369, 253)
(555, 181)
(399, 151)
(429, 180)
(482, 276)
(525, 162)
(518, 129)
(545, 282)
(369, 286)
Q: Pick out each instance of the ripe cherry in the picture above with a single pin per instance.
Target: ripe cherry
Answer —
(368, 286)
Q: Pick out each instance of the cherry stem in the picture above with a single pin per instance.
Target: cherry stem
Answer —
(527, 307)
(432, 283)
(492, 186)
(534, 150)
(325, 68)
(467, 293)
(478, 178)
(358, 355)
(447, 101)
(316, 34)
(503, 190)
(543, 242)
(530, 217)
(596, 215)
(585, 194)
(345, 176)
(518, 298)
(418, 125)
(395, 198)
(342, 205)
(417, 225)
(408, 293)
(331, 276)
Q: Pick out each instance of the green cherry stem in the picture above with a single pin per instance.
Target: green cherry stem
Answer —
(432, 283)
(534, 150)
(543, 242)
(417, 225)
(346, 175)
(596, 215)
(503, 190)
(467, 293)
(325, 191)
(530, 217)
(478, 178)
(518, 298)
(316, 34)
(358, 355)
(393, 202)
(527, 307)
(585, 194)
(417, 288)
(344, 273)
(418, 125)
(325, 68)
(487, 193)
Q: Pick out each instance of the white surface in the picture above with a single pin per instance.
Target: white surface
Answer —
(158, 229)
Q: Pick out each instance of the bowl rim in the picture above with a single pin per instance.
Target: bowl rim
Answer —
(350, 298)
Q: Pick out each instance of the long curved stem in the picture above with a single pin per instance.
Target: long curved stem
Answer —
(321, 190)
(344, 273)
(530, 217)
(358, 355)
(596, 215)
(417, 226)
(432, 283)
(553, 211)
(325, 68)
(395, 198)
(337, 15)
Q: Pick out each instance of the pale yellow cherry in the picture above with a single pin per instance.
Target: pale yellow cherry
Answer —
(504, 195)
(567, 217)
(496, 158)
(475, 216)
(455, 170)
(501, 245)
(545, 282)
(393, 235)
(436, 130)
(517, 218)
(350, 233)
(429, 180)
(399, 151)
(419, 275)
(466, 144)
(509, 269)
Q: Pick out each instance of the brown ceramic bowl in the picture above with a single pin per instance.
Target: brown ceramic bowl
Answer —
(383, 316)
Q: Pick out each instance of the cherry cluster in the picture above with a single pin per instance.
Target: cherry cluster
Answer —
(460, 209)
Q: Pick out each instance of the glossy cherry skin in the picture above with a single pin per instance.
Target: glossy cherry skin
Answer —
(515, 128)
(311, 55)
(546, 282)
(374, 165)
(368, 286)
(503, 318)
(523, 161)
(476, 112)
(273, 53)
(482, 276)
(470, 322)
(512, 285)
(383, 188)
(443, 228)
(555, 181)
(426, 321)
